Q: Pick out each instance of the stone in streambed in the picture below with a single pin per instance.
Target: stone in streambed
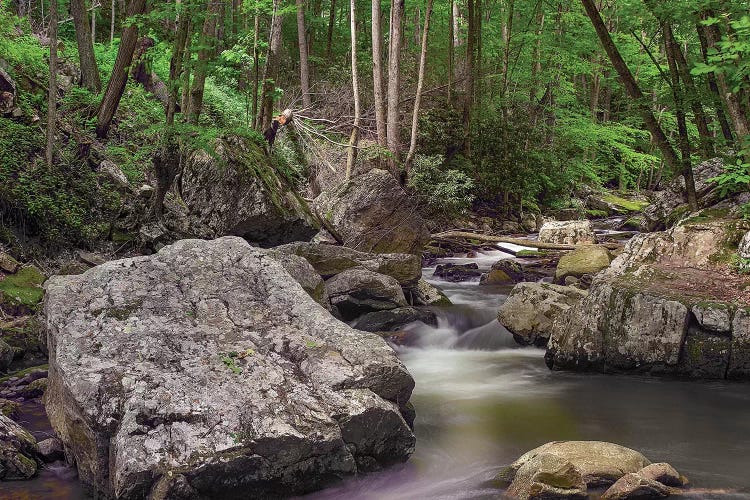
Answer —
(548, 476)
(394, 319)
(425, 294)
(457, 272)
(51, 450)
(359, 291)
(573, 232)
(18, 450)
(207, 369)
(503, 272)
(588, 259)
(633, 486)
(663, 473)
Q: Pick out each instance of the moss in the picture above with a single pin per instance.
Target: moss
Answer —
(596, 213)
(23, 288)
(531, 253)
(25, 371)
(629, 205)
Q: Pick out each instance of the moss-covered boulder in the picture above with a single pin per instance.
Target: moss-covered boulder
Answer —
(588, 259)
(18, 450)
(21, 292)
(425, 294)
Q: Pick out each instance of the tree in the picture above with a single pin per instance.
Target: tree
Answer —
(116, 84)
(52, 89)
(270, 71)
(394, 82)
(304, 67)
(418, 95)
(89, 70)
(377, 74)
(354, 138)
(206, 52)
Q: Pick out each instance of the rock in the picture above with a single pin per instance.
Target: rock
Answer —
(663, 473)
(548, 476)
(6, 355)
(393, 319)
(330, 260)
(503, 272)
(324, 237)
(531, 223)
(570, 281)
(17, 451)
(635, 223)
(358, 291)
(111, 172)
(633, 486)
(715, 317)
(304, 274)
(235, 190)
(89, 258)
(739, 361)
(598, 462)
(35, 389)
(424, 294)
(575, 232)
(9, 408)
(457, 272)
(588, 259)
(8, 264)
(372, 213)
(508, 226)
(8, 95)
(531, 308)
(51, 450)
(146, 191)
(207, 363)
(743, 250)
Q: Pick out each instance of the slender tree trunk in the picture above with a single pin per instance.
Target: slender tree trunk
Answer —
(469, 95)
(187, 68)
(112, 23)
(89, 71)
(271, 68)
(52, 92)
(175, 64)
(726, 130)
(354, 138)
(536, 63)
(206, 52)
(701, 123)
(116, 84)
(377, 74)
(451, 55)
(394, 81)
(670, 47)
(93, 24)
(256, 68)
(418, 95)
(632, 88)
(331, 23)
(304, 68)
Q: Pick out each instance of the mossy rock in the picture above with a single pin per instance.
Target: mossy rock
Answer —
(588, 259)
(625, 204)
(22, 289)
(9, 408)
(531, 253)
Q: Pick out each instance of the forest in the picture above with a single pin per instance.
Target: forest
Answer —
(374, 249)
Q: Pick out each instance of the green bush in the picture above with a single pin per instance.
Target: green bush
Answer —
(446, 192)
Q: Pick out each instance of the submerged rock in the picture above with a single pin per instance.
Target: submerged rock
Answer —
(424, 294)
(207, 370)
(18, 450)
(633, 486)
(531, 308)
(394, 319)
(372, 213)
(573, 232)
(457, 272)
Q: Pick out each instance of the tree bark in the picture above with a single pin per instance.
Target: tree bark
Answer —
(116, 84)
(377, 74)
(726, 130)
(418, 95)
(394, 81)
(112, 23)
(256, 68)
(89, 71)
(632, 88)
(304, 67)
(451, 55)
(469, 94)
(351, 155)
(271, 68)
(448, 235)
(52, 92)
(701, 123)
(331, 22)
(206, 52)
(670, 47)
(175, 64)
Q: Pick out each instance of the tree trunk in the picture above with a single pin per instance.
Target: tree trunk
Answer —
(351, 155)
(187, 68)
(116, 84)
(304, 68)
(271, 68)
(89, 71)
(726, 130)
(670, 47)
(377, 74)
(418, 95)
(256, 68)
(175, 64)
(93, 24)
(52, 92)
(112, 23)
(701, 123)
(394, 81)
(206, 52)
(451, 55)
(632, 88)
(331, 22)
(469, 93)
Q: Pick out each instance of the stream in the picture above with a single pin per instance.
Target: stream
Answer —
(482, 401)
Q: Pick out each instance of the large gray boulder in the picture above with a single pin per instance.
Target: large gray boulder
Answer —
(571, 232)
(18, 450)
(207, 371)
(359, 291)
(531, 308)
(304, 274)
(330, 260)
(372, 213)
(235, 190)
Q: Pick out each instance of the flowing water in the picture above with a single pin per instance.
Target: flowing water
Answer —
(481, 401)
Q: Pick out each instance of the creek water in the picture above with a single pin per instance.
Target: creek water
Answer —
(481, 401)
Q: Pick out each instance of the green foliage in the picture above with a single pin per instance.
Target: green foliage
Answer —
(734, 179)
(23, 288)
(230, 361)
(445, 191)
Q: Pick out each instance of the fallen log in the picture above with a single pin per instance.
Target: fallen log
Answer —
(516, 241)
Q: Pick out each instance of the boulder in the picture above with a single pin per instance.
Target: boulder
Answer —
(715, 317)
(503, 272)
(531, 308)
(9, 408)
(457, 272)
(236, 190)
(330, 260)
(599, 463)
(372, 213)
(35, 389)
(663, 473)
(304, 274)
(588, 259)
(743, 250)
(633, 486)
(424, 294)
(548, 476)
(51, 450)
(112, 173)
(207, 369)
(18, 450)
(393, 319)
(573, 232)
(8, 264)
(358, 291)
(739, 361)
